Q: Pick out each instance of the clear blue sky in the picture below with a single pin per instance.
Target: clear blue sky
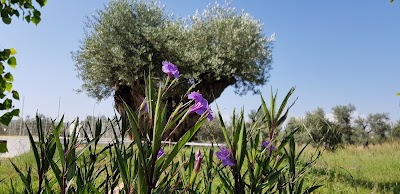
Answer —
(334, 52)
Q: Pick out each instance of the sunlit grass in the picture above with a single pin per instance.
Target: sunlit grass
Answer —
(359, 170)
(8, 173)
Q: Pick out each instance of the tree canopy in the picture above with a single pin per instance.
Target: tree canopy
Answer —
(128, 39)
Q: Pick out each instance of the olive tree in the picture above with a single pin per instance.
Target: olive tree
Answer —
(343, 118)
(379, 124)
(129, 39)
(395, 133)
(315, 127)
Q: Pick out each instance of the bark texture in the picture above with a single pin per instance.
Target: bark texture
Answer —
(209, 87)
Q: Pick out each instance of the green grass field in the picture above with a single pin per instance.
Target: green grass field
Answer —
(359, 170)
(350, 170)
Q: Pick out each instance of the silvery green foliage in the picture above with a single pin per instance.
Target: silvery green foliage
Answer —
(227, 42)
(115, 47)
(129, 38)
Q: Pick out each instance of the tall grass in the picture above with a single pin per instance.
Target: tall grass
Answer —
(8, 175)
(359, 170)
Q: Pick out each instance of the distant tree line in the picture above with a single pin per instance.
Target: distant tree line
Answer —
(344, 128)
(316, 127)
(18, 127)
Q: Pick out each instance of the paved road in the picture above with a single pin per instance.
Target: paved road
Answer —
(18, 145)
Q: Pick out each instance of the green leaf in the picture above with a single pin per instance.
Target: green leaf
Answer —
(36, 13)
(15, 12)
(28, 18)
(71, 160)
(88, 144)
(57, 130)
(25, 179)
(5, 54)
(398, 94)
(291, 157)
(311, 189)
(15, 112)
(225, 181)
(121, 165)
(4, 12)
(272, 178)
(28, 5)
(36, 19)
(12, 61)
(266, 111)
(5, 119)
(57, 171)
(12, 51)
(301, 151)
(184, 139)
(9, 77)
(42, 2)
(35, 150)
(241, 144)
(223, 128)
(8, 86)
(15, 95)
(3, 146)
(300, 186)
(1, 68)
(158, 125)
(287, 138)
(133, 121)
(6, 20)
(7, 104)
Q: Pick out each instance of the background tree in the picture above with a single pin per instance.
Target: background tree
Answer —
(316, 128)
(361, 133)
(216, 49)
(379, 125)
(396, 130)
(303, 136)
(322, 129)
(343, 117)
(210, 132)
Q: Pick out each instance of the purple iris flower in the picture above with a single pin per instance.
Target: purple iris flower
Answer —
(160, 153)
(225, 156)
(198, 158)
(170, 69)
(198, 155)
(200, 105)
(266, 144)
(145, 107)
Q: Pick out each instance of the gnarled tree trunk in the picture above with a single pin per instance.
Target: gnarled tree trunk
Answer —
(133, 95)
